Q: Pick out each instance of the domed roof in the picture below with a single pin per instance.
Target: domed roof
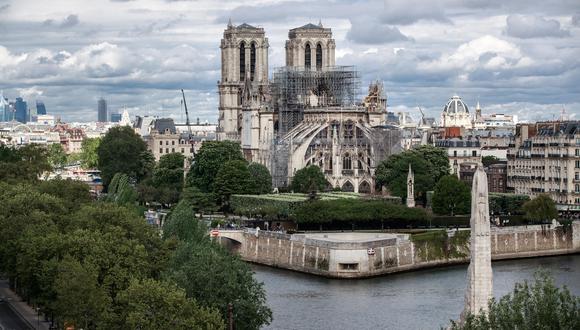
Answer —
(455, 105)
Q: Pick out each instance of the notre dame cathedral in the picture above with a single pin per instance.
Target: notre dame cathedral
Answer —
(306, 113)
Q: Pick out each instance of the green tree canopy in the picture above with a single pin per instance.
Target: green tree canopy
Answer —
(166, 183)
(123, 151)
(489, 160)
(232, 178)
(200, 202)
(541, 208)
(89, 153)
(207, 162)
(540, 305)
(393, 172)
(261, 180)
(437, 159)
(308, 179)
(451, 196)
(151, 304)
(23, 164)
(56, 155)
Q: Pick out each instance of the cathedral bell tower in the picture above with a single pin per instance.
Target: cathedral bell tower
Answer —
(244, 53)
(310, 47)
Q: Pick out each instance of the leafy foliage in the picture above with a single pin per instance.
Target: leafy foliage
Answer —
(308, 179)
(507, 203)
(210, 158)
(57, 157)
(123, 151)
(540, 305)
(428, 163)
(151, 304)
(451, 196)
(89, 156)
(355, 210)
(120, 190)
(166, 183)
(541, 208)
(232, 178)
(489, 160)
(23, 164)
(260, 179)
(211, 275)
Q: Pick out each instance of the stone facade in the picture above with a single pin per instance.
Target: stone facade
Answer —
(353, 260)
(544, 158)
(310, 47)
(479, 274)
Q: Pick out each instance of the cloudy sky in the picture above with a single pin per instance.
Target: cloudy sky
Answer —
(520, 57)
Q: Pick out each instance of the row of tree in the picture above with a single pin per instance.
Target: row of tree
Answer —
(97, 264)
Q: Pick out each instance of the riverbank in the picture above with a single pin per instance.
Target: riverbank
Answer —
(328, 255)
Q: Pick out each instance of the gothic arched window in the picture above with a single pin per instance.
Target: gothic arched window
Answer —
(348, 130)
(346, 162)
(242, 61)
(318, 57)
(252, 60)
(307, 56)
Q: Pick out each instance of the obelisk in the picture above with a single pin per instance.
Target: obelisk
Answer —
(479, 275)
(410, 188)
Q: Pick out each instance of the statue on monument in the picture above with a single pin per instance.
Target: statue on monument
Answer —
(410, 188)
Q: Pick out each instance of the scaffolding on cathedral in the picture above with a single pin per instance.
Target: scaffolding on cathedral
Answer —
(295, 89)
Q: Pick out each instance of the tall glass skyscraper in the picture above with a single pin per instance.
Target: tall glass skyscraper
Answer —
(102, 110)
(21, 109)
(40, 108)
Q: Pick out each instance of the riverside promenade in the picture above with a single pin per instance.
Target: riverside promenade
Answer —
(16, 314)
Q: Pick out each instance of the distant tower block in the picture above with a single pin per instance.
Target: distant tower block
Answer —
(410, 188)
(479, 275)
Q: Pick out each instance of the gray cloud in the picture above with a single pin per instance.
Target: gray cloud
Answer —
(365, 32)
(144, 52)
(4, 7)
(67, 22)
(411, 11)
(526, 27)
(576, 19)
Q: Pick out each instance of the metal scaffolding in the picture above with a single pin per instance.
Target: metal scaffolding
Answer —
(295, 89)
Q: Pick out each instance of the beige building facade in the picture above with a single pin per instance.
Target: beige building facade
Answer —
(544, 158)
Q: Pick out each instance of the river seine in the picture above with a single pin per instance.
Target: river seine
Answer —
(425, 299)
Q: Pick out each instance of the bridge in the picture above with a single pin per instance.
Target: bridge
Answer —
(232, 239)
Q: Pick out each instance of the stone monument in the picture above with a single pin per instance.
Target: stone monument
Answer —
(410, 188)
(479, 275)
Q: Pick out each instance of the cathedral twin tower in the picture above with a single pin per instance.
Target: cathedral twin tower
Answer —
(244, 51)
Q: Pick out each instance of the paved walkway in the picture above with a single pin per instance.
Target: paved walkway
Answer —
(26, 313)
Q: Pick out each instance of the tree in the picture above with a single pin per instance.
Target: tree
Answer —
(393, 172)
(89, 153)
(120, 190)
(23, 164)
(540, 305)
(437, 159)
(261, 180)
(489, 160)
(451, 196)
(166, 183)
(307, 179)
(151, 304)
(216, 278)
(540, 209)
(207, 162)
(79, 298)
(56, 155)
(123, 151)
(199, 201)
(232, 178)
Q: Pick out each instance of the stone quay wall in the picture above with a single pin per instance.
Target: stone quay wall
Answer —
(383, 256)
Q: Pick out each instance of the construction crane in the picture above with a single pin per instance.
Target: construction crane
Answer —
(187, 118)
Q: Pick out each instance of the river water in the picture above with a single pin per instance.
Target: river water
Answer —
(425, 299)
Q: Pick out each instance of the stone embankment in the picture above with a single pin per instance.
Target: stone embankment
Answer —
(328, 255)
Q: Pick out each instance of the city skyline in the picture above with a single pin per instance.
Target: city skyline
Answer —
(517, 58)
